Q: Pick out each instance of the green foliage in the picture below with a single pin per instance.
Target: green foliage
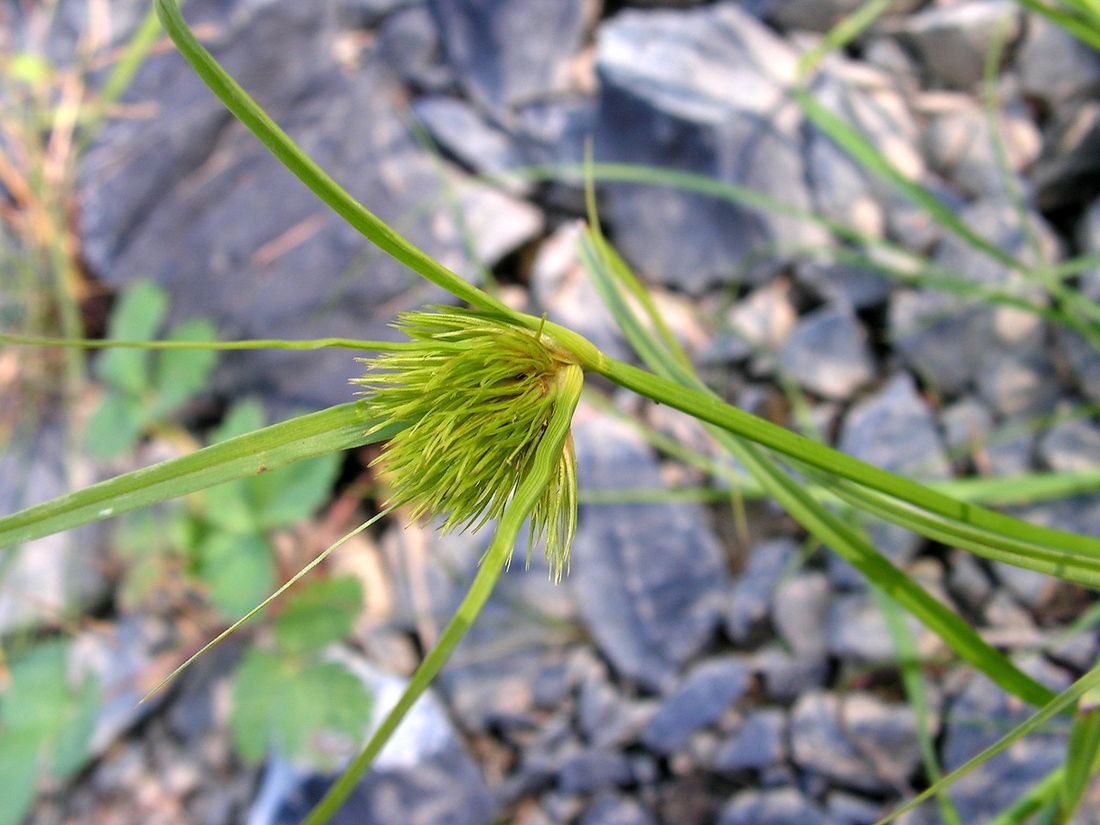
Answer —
(46, 724)
(224, 537)
(144, 388)
(289, 697)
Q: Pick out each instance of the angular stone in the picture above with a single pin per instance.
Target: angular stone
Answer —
(801, 605)
(593, 770)
(649, 579)
(509, 52)
(1019, 385)
(953, 40)
(701, 700)
(760, 322)
(845, 285)
(786, 676)
(614, 810)
(784, 806)
(751, 599)
(758, 744)
(895, 430)
(967, 424)
(827, 353)
(191, 200)
(856, 631)
(977, 719)
(408, 42)
(699, 91)
(1071, 446)
(460, 129)
(1065, 174)
(1055, 67)
(860, 742)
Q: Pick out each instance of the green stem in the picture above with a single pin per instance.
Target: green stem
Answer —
(496, 556)
(257, 343)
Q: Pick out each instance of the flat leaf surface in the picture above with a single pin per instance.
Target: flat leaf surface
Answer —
(137, 317)
(238, 569)
(321, 612)
(115, 426)
(178, 374)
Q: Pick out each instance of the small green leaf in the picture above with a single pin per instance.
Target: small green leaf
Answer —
(285, 497)
(18, 773)
(323, 611)
(279, 702)
(242, 418)
(178, 374)
(238, 569)
(227, 508)
(115, 426)
(136, 317)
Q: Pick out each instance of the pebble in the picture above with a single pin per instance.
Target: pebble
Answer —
(953, 40)
(707, 691)
(827, 353)
(799, 612)
(784, 806)
(757, 745)
(752, 596)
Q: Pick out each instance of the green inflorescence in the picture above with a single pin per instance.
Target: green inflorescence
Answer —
(475, 400)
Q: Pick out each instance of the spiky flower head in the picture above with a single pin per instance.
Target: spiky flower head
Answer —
(475, 395)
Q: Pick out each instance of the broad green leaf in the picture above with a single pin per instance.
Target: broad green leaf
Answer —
(287, 496)
(281, 702)
(243, 417)
(322, 611)
(137, 316)
(226, 507)
(337, 428)
(115, 426)
(238, 569)
(18, 775)
(70, 750)
(180, 374)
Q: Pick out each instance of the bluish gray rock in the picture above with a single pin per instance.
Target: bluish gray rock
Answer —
(858, 742)
(1065, 174)
(707, 691)
(614, 810)
(191, 200)
(953, 40)
(799, 611)
(460, 129)
(510, 52)
(967, 423)
(784, 806)
(845, 285)
(1055, 67)
(895, 430)
(856, 631)
(1071, 446)
(1019, 385)
(648, 578)
(786, 676)
(977, 719)
(698, 91)
(408, 42)
(827, 353)
(758, 744)
(593, 770)
(751, 599)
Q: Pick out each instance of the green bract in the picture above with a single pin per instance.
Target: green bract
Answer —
(475, 401)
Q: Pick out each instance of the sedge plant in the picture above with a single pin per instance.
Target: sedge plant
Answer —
(475, 409)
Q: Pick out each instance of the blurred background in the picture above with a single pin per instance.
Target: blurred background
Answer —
(704, 662)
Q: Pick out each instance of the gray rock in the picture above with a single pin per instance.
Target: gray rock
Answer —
(1065, 174)
(509, 52)
(1030, 588)
(159, 194)
(953, 40)
(894, 429)
(860, 742)
(819, 15)
(460, 129)
(1008, 455)
(785, 806)
(408, 42)
(967, 581)
(758, 744)
(849, 809)
(1019, 385)
(843, 284)
(827, 353)
(760, 322)
(960, 145)
(751, 599)
(422, 776)
(1083, 361)
(561, 287)
(58, 575)
(786, 677)
(1071, 446)
(801, 605)
(649, 580)
(1054, 66)
(980, 716)
(948, 341)
(606, 718)
(856, 631)
(967, 424)
(872, 102)
(370, 12)
(699, 91)
(703, 697)
(593, 770)
(614, 810)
